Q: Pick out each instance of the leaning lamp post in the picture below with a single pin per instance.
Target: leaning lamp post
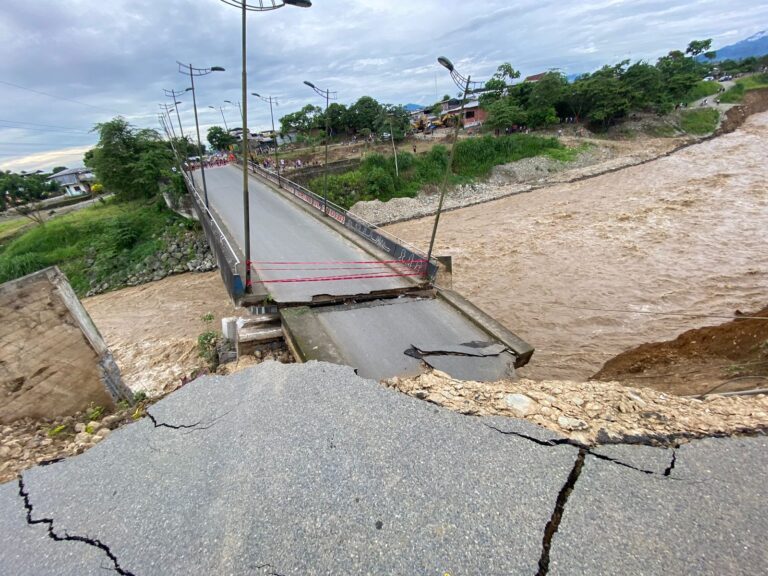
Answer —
(245, 7)
(463, 85)
(271, 99)
(173, 94)
(192, 72)
(328, 95)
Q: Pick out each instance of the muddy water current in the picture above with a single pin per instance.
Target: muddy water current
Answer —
(586, 270)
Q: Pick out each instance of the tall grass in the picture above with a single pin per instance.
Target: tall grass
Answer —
(701, 121)
(93, 244)
(376, 179)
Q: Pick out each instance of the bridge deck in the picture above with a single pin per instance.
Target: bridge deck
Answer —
(288, 244)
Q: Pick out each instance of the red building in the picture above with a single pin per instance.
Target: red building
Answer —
(474, 115)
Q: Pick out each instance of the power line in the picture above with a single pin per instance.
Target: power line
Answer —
(59, 97)
(46, 130)
(38, 124)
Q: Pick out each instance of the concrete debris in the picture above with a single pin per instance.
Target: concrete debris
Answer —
(595, 412)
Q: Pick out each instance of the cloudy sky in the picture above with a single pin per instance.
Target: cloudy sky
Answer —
(69, 64)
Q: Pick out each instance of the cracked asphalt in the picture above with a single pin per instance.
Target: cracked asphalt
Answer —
(310, 469)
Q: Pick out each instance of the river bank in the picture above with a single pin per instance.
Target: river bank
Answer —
(588, 269)
(598, 156)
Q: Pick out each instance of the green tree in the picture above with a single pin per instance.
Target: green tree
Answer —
(497, 87)
(365, 113)
(697, 47)
(57, 169)
(129, 161)
(505, 113)
(220, 139)
(301, 121)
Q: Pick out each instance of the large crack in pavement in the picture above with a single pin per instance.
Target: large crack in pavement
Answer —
(590, 451)
(66, 537)
(196, 426)
(557, 514)
(570, 483)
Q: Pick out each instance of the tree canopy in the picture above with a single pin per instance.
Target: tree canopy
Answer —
(601, 97)
(17, 189)
(129, 161)
(220, 139)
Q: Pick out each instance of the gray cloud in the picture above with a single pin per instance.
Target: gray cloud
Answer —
(117, 56)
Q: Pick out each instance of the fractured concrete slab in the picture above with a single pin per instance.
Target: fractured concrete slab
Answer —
(708, 517)
(308, 469)
(27, 549)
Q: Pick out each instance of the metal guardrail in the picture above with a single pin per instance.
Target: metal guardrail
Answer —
(399, 249)
(226, 257)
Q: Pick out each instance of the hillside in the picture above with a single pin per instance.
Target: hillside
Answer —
(755, 45)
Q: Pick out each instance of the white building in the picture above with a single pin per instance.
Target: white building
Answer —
(75, 181)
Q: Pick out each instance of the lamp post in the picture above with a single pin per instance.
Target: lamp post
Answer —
(327, 94)
(245, 7)
(167, 109)
(173, 95)
(238, 107)
(394, 150)
(272, 99)
(463, 84)
(220, 109)
(192, 71)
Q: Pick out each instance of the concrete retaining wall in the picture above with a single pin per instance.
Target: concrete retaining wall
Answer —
(53, 361)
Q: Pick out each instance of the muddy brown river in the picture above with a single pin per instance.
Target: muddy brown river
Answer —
(586, 270)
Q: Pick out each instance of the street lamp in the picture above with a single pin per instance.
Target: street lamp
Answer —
(238, 107)
(463, 84)
(220, 109)
(245, 7)
(192, 71)
(394, 150)
(272, 99)
(327, 95)
(173, 95)
(167, 109)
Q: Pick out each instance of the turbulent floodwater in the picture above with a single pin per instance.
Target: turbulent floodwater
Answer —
(582, 270)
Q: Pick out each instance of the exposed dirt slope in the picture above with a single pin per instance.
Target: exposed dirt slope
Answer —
(731, 356)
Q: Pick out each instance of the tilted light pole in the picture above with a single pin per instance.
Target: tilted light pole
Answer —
(245, 7)
(167, 109)
(238, 107)
(394, 150)
(192, 71)
(327, 95)
(220, 109)
(463, 84)
(173, 95)
(272, 99)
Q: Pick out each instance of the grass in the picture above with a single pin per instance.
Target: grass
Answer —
(735, 94)
(10, 228)
(701, 121)
(702, 89)
(95, 244)
(376, 178)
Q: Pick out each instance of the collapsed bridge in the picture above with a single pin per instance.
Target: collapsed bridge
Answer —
(340, 289)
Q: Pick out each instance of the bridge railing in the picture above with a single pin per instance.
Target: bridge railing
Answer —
(226, 257)
(399, 249)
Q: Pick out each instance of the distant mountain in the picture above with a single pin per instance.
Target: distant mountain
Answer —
(413, 107)
(755, 45)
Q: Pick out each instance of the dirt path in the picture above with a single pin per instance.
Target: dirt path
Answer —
(152, 329)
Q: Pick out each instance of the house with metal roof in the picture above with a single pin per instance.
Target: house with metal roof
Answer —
(75, 181)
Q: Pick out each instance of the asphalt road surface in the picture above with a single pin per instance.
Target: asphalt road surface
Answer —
(308, 469)
(288, 244)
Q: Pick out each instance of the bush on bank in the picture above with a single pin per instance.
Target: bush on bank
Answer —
(377, 179)
(94, 245)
